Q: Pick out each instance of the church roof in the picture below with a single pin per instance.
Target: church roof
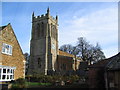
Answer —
(62, 53)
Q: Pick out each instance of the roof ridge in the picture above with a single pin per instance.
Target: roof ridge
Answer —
(2, 27)
(63, 53)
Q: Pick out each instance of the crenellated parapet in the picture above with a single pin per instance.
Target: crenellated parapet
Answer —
(45, 16)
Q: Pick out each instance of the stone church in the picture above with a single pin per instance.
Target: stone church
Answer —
(44, 53)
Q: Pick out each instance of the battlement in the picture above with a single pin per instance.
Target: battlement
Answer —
(44, 16)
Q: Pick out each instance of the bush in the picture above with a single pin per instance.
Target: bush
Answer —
(52, 79)
(19, 83)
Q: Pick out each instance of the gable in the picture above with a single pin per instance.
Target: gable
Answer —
(7, 34)
(1, 28)
(14, 58)
(9, 37)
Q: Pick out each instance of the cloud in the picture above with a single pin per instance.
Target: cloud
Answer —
(110, 51)
(99, 26)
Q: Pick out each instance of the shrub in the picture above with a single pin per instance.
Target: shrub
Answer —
(52, 79)
(19, 83)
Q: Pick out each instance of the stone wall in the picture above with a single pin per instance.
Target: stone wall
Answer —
(17, 58)
(65, 63)
(44, 44)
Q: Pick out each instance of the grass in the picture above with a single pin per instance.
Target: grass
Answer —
(30, 84)
(49, 85)
(46, 85)
(37, 84)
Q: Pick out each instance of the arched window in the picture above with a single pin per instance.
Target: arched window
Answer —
(42, 29)
(38, 30)
(39, 62)
(38, 26)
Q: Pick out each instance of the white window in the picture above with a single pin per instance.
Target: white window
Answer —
(6, 73)
(7, 49)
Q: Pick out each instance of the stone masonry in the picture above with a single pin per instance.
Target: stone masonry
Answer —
(44, 52)
(44, 43)
(16, 60)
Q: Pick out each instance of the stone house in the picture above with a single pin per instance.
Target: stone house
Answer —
(12, 62)
(105, 73)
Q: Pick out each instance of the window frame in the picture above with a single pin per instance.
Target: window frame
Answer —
(7, 49)
(6, 76)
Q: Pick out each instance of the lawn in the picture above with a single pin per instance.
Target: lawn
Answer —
(30, 85)
(37, 84)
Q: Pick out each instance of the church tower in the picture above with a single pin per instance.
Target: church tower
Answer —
(43, 44)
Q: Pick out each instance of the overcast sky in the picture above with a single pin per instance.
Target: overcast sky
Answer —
(96, 21)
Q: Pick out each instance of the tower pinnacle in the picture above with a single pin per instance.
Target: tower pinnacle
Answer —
(33, 14)
(56, 17)
(48, 11)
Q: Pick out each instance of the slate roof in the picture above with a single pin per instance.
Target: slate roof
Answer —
(112, 63)
(100, 64)
(2, 27)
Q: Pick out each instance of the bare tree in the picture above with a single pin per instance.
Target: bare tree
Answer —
(83, 47)
(97, 53)
(86, 51)
(67, 48)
